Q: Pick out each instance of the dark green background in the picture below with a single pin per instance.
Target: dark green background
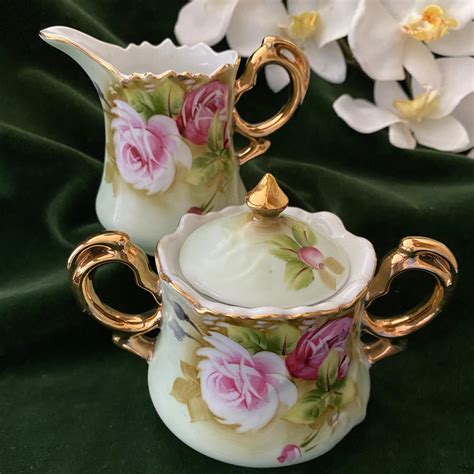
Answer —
(69, 400)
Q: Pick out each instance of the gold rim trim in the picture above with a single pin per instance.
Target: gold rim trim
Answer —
(146, 75)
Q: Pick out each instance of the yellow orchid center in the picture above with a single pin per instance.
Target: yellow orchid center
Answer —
(303, 25)
(431, 25)
(418, 108)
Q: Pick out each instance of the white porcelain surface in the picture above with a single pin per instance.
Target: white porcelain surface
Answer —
(230, 259)
(359, 252)
(148, 58)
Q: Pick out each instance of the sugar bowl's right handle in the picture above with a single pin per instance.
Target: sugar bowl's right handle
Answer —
(413, 253)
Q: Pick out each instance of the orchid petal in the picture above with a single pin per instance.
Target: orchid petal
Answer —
(420, 63)
(377, 41)
(445, 134)
(277, 78)
(335, 17)
(327, 62)
(295, 7)
(204, 21)
(456, 84)
(456, 43)
(464, 113)
(386, 92)
(362, 115)
(252, 21)
(400, 9)
(400, 136)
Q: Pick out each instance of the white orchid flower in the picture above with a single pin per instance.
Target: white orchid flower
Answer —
(438, 117)
(387, 36)
(314, 25)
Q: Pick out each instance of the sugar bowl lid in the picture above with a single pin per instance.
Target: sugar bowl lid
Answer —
(264, 256)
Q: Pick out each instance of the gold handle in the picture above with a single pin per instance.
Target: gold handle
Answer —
(129, 329)
(283, 53)
(413, 253)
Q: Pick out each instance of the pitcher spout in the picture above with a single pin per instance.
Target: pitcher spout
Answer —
(93, 55)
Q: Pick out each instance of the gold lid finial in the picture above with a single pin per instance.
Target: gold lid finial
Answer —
(267, 199)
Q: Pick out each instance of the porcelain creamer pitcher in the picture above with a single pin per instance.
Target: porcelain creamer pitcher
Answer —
(169, 120)
(259, 360)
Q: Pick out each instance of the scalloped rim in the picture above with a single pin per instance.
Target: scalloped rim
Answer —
(59, 34)
(359, 251)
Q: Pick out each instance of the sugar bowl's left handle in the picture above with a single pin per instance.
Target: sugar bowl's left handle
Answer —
(129, 329)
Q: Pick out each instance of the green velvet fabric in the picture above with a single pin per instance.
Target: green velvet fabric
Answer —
(70, 402)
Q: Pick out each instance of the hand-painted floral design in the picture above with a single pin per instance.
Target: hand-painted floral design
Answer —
(204, 208)
(247, 376)
(195, 210)
(240, 388)
(303, 258)
(161, 125)
(200, 106)
(147, 151)
(290, 453)
(314, 346)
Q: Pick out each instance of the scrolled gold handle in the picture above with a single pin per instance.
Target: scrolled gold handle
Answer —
(284, 53)
(129, 329)
(413, 253)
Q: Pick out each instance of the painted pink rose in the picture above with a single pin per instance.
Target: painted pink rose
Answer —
(313, 347)
(240, 388)
(290, 453)
(147, 151)
(199, 108)
(312, 257)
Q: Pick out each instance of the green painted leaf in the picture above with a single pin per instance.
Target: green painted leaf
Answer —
(203, 169)
(283, 339)
(228, 164)
(215, 134)
(349, 392)
(308, 408)
(303, 234)
(327, 376)
(254, 341)
(141, 101)
(298, 275)
(284, 241)
(293, 268)
(168, 97)
(284, 254)
(303, 279)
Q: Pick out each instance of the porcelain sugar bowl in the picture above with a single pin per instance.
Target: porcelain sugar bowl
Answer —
(260, 307)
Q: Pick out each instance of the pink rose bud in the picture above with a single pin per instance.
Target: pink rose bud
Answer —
(290, 453)
(313, 347)
(195, 210)
(312, 257)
